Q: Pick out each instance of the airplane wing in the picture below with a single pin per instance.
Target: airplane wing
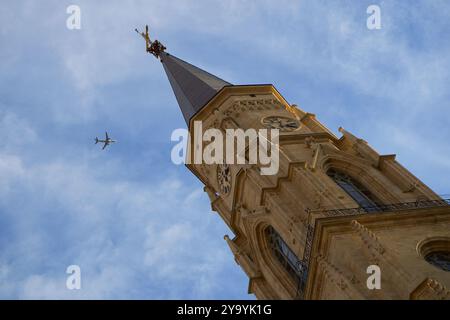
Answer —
(104, 146)
(106, 133)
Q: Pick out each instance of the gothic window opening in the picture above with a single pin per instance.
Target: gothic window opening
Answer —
(286, 256)
(358, 192)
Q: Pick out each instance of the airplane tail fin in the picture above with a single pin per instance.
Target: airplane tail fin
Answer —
(96, 140)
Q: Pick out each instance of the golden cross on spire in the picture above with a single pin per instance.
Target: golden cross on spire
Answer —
(153, 47)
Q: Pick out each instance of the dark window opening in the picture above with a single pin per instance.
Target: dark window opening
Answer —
(286, 256)
(358, 192)
(439, 259)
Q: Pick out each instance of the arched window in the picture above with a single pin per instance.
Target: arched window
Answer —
(358, 192)
(285, 256)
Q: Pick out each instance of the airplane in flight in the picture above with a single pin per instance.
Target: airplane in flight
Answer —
(106, 142)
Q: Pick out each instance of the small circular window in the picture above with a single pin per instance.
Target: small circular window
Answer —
(436, 251)
(440, 259)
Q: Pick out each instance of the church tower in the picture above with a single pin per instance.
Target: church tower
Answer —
(338, 220)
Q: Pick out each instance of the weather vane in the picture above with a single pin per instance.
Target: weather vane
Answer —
(153, 47)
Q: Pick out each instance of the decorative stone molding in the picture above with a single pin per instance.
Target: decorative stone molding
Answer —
(401, 177)
(320, 151)
(385, 159)
(377, 254)
(317, 150)
(360, 147)
(336, 276)
(332, 273)
(262, 210)
(205, 172)
(412, 187)
(243, 259)
(309, 141)
(440, 292)
(370, 240)
(212, 195)
(430, 244)
(430, 289)
(252, 105)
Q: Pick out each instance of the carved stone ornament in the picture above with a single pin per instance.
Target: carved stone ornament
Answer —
(224, 178)
(283, 124)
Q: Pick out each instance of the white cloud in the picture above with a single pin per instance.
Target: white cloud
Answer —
(115, 230)
(10, 168)
(163, 245)
(15, 131)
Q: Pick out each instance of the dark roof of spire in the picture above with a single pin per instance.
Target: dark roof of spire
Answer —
(193, 87)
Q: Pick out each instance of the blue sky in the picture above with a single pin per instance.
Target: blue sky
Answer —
(137, 225)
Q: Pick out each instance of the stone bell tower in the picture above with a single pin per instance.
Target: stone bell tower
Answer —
(338, 220)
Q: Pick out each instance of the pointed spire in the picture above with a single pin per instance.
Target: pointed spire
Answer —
(193, 87)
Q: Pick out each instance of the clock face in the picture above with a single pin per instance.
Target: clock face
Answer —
(281, 123)
(224, 178)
